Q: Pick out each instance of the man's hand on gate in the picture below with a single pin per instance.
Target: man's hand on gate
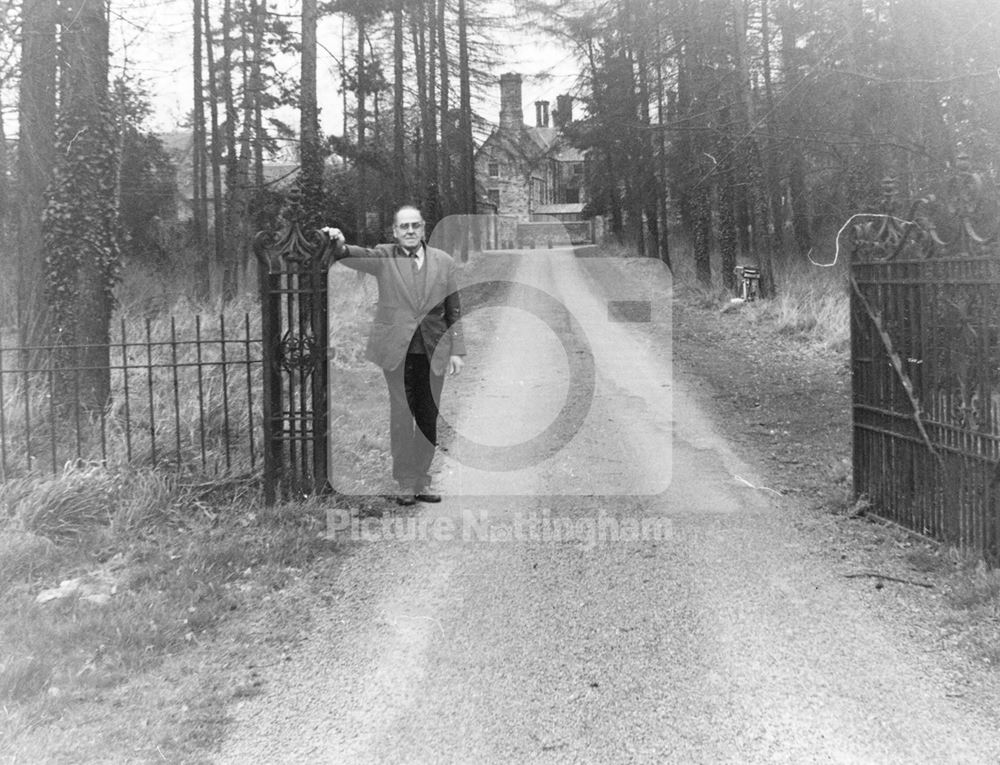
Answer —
(336, 237)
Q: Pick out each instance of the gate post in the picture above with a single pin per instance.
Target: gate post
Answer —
(292, 278)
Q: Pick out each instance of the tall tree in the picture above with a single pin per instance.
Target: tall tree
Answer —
(661, 135)
(399, 158)
(215, 155)
(794, 74)
(238, 194)
(35, 153)
(445, 176)
(311, 157)
(754, 174)
(228, 93)
(80, 220)
(467, 169)
(362, 121)
(199, 170)
(424, 17)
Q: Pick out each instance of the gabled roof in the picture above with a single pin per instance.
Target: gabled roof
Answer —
(534, 143)
(544, 137)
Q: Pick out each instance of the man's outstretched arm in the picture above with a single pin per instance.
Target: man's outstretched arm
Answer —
(358, 258)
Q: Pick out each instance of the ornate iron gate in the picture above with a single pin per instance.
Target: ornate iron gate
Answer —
(925, 352)
(293, 296)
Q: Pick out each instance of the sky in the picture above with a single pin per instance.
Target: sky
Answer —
(153, 38)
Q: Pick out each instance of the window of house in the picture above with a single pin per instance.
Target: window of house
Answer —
(578, 168)
(493, 195)
(494, 169)
(542, 189)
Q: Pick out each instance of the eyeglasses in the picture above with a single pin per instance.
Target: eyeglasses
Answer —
(410, 226)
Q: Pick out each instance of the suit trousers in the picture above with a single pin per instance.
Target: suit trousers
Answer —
(414, 393)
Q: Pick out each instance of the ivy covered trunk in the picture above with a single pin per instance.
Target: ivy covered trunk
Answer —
(80, 219)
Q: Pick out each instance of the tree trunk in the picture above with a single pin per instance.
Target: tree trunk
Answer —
(237, 208)
(311, 175)
(661, 118)
(647, 143)
(215, 155)
(770, 156)
(232, 113)
(753, 173)
(419, 37)
(361, 118)
(432, 197)
(35, 153)
(345, 111)
(701, 204)
(199, 179)
(797, 188)
(231, 235)
(254, 181)
(446, 185)
(864, 167)
(398, 122)
(467, 161)
(81, 219)
(727, 196)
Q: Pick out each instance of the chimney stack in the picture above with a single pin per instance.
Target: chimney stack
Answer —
(542, 113)
(564, 111)
(511, 114)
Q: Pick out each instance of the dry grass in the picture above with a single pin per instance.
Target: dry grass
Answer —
(812, 304)
(812, 301)
(61, 507)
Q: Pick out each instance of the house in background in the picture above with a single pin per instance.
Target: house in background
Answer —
(532, 178)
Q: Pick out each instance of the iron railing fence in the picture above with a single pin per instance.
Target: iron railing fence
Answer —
(925, 347)
(185, 396)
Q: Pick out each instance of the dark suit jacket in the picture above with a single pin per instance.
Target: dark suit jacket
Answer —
(427, 302)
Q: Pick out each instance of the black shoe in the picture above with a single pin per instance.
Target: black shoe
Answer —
(406, 499)
(426, 497)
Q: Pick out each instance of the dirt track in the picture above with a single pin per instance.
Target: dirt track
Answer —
(509, 624)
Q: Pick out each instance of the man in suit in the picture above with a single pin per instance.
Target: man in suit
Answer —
(415, 339)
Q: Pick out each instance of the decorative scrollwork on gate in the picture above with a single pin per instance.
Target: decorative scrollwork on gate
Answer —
(298, 353)
(949, 224)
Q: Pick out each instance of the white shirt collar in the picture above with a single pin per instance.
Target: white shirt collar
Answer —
(418, 256)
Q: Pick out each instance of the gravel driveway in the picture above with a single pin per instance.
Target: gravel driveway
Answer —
(628, 597)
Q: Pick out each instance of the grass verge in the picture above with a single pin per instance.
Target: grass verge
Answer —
(148, 597)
